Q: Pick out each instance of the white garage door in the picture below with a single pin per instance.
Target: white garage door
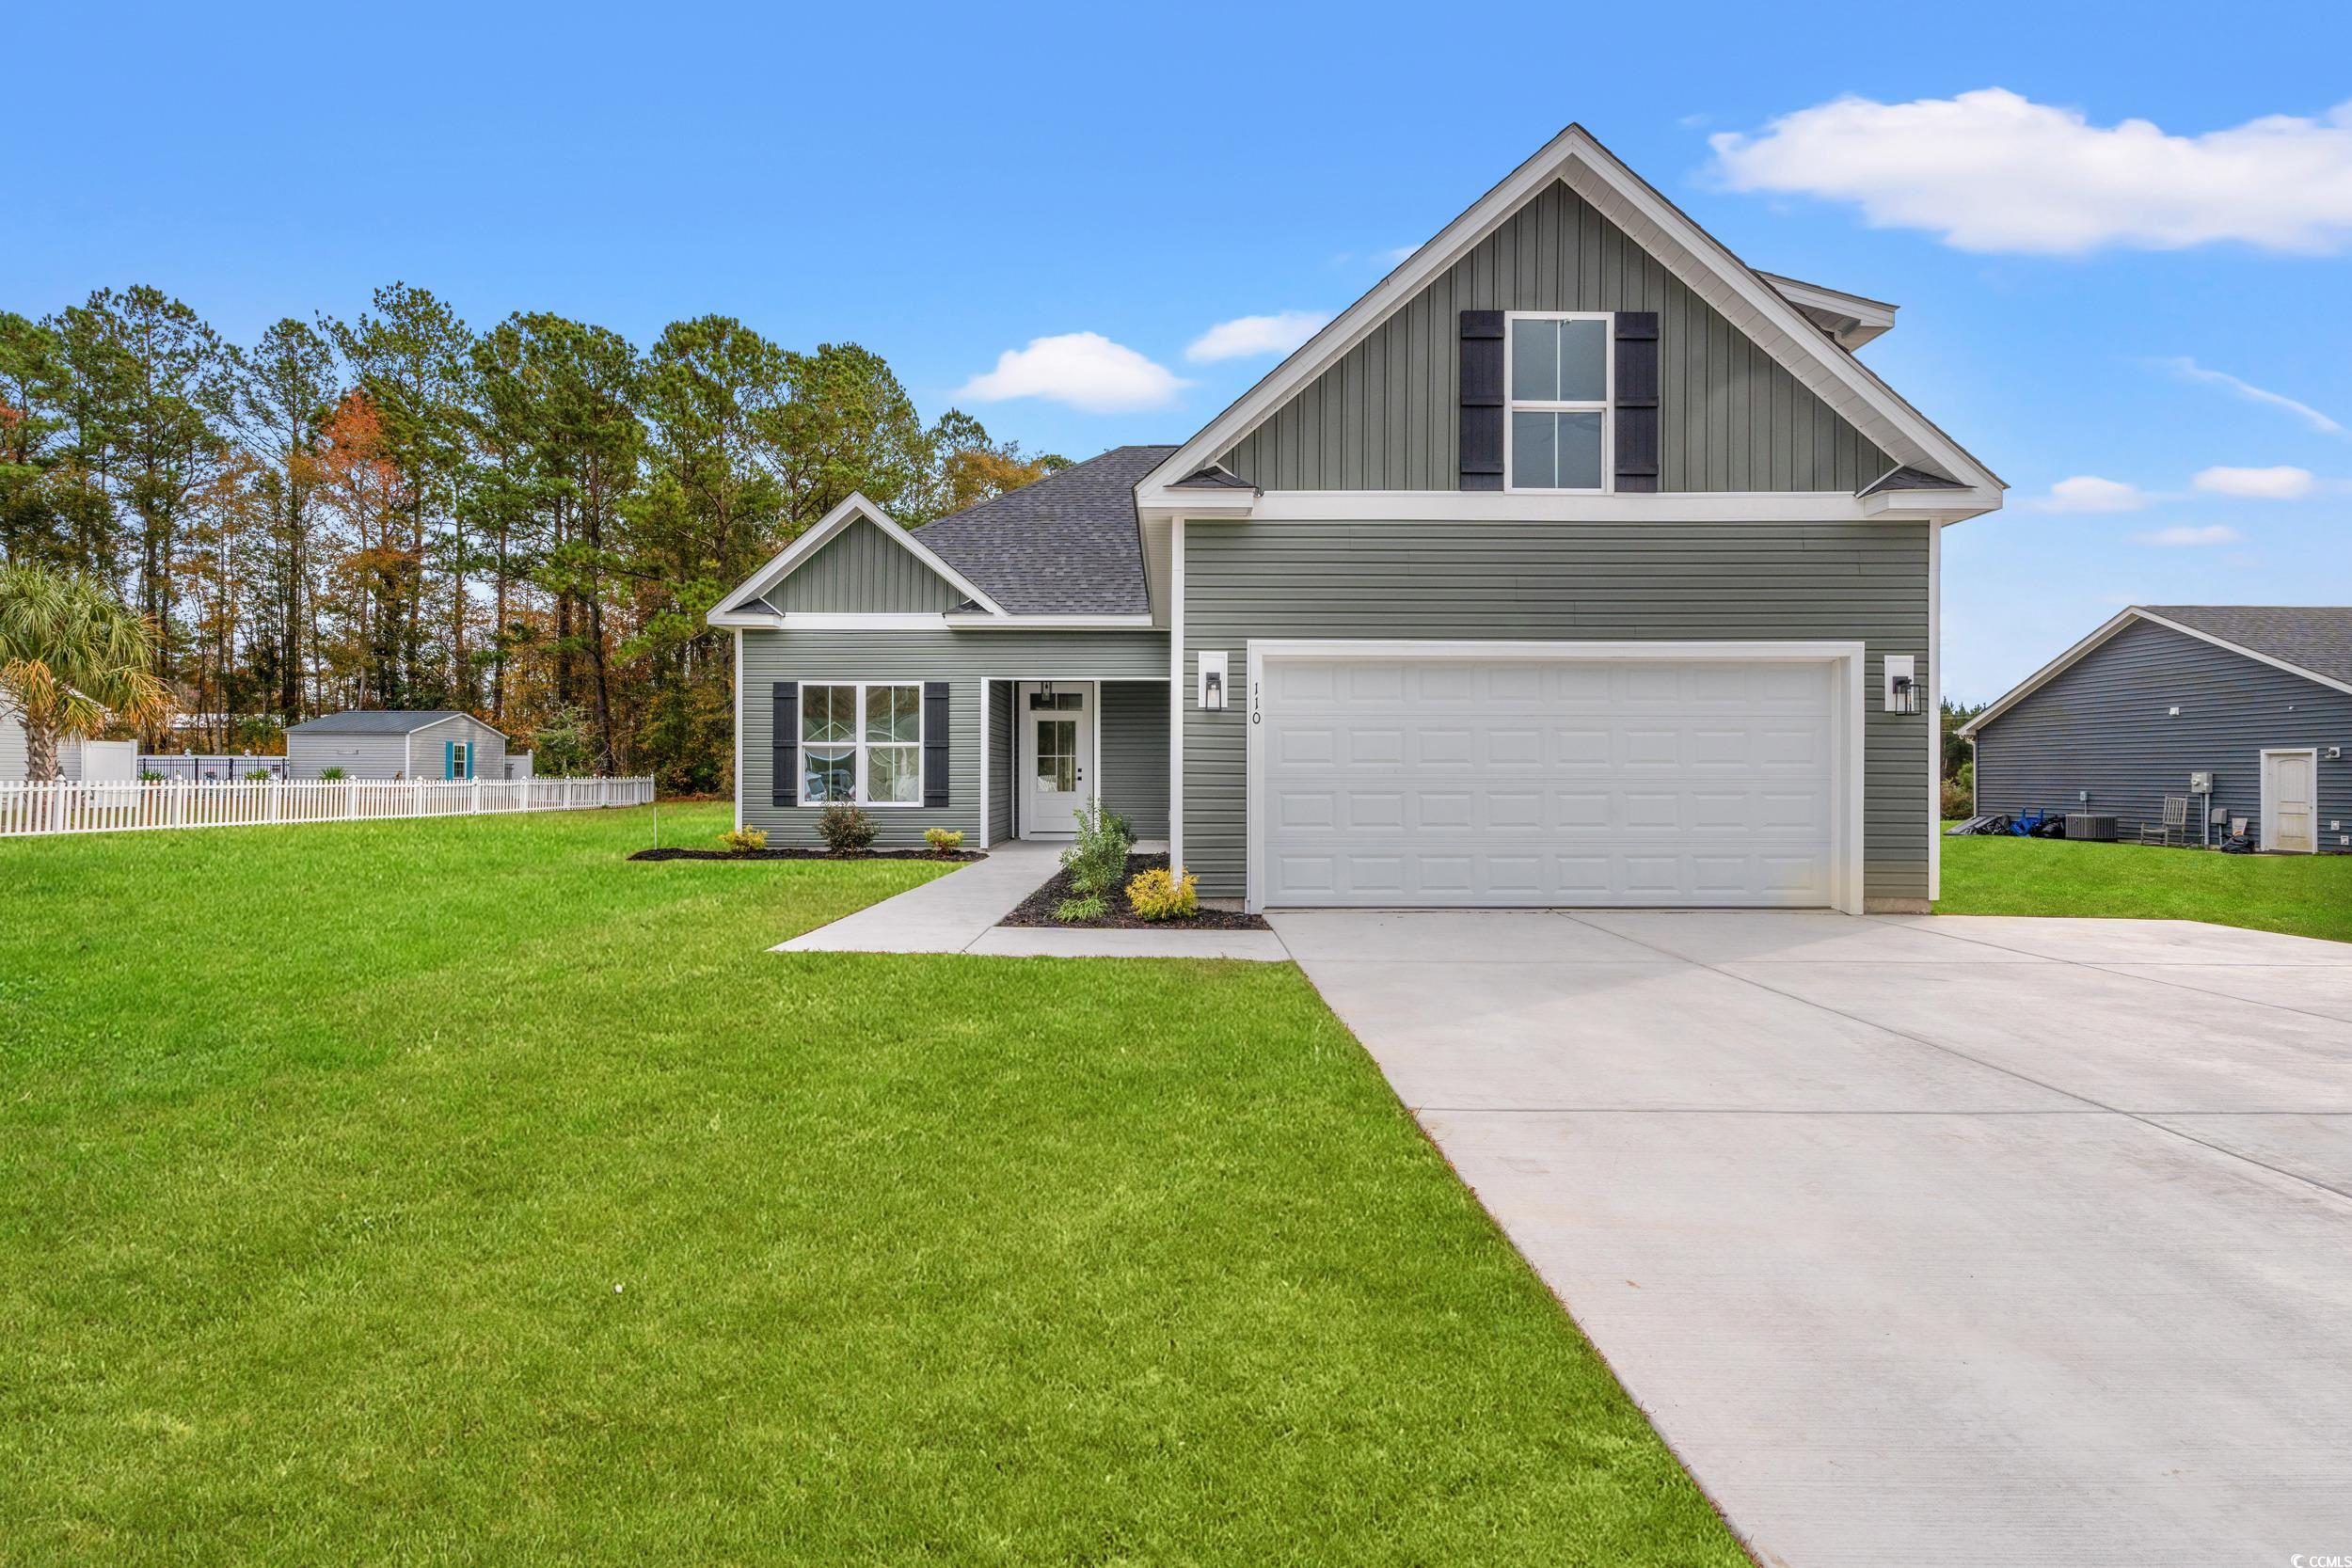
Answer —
(1546, 782)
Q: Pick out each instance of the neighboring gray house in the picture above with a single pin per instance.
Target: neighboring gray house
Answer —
(385, 743)
(1577, 564)
(2258, 696)
(79, 761)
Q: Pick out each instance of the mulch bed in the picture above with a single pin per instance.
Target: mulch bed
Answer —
(1038, 908)
(958, 857)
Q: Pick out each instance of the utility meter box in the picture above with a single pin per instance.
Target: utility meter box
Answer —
(2200, 783)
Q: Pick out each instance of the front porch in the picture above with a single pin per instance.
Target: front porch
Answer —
(1050, 746)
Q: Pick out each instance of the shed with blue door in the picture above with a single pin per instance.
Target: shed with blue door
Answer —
(390, 743)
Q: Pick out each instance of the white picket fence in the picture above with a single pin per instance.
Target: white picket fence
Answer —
(108, 808)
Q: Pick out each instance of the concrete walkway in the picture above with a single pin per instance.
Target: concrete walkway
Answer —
(958, 913)
(1923, 1240)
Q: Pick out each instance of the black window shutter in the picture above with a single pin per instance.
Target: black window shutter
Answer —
(783, 789)
(1482, 400)
(1636, 402)
(935, 743)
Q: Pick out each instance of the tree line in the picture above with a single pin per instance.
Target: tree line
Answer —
(527, 522)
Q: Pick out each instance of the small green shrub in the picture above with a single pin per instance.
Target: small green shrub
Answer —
(943, 841)
(148, 775)
(1125, 827)
(1091, 907)
(258, 775)
(1156, 895)
(1098, 859)
(846, 830)
(745, 841)
(333, 773)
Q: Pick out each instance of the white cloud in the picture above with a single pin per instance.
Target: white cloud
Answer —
(2281, 484)
(2184, 537)
(2189, 369)
(1991, 170)
(1245, 337)
(2089, 493)
(1084, 370)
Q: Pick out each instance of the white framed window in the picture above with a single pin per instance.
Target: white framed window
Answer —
(861, 743)
(1557, 425)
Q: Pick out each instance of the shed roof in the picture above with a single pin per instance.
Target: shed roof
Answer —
(376, 721)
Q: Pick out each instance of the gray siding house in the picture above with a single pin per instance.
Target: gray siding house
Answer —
(2257, 696)
(1576, 563)
(388, 743)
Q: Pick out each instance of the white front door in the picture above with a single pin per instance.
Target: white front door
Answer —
(1057, 722)
(1537, 781)
(2290, 802)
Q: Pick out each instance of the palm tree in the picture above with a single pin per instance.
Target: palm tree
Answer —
(70, 655)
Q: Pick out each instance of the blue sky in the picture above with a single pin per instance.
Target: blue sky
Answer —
(948, 185)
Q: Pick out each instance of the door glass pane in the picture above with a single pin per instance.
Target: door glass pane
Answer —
(1535, 362)
(1057, 756)
(894, 775)
(828, 713)
(1583, 362)
(829, 776)
(893, 713)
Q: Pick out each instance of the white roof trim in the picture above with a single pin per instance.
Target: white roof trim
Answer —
(2124, 618)
(1854, 319)
(788, 559)
(1655, 224)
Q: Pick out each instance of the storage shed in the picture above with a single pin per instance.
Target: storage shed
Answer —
(2244, 710)
(388, 743)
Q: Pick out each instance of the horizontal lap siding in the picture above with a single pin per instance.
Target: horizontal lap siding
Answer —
(1387, 416)
(961, 658)
(360, 756)
(1135, 753)
(1568, 581)
(2105, 726)
(861, 571)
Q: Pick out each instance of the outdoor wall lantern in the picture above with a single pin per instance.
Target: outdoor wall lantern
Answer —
(1212, 682)
(1903, 695)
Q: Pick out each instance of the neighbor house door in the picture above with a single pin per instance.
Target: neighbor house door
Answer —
(2291, 801)
(1056, 756)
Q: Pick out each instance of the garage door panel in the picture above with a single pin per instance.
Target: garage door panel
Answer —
(1533, 782)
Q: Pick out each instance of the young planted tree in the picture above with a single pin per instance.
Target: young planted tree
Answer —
(71, 657)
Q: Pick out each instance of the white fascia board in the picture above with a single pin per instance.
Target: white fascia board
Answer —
(784, 563)
(1447, 506)
(1658, 226)
(743, 620)
(1936, 506)
(1861, 318)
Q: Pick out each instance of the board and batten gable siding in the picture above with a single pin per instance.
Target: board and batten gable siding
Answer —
(961, 658)
(1559, 581)
(1387, 416)
(2104, 725)
(863, 571)
(1004, 762)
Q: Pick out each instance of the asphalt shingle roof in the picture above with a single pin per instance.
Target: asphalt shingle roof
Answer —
(375, 721)
(2318, 638)
(1067, 545)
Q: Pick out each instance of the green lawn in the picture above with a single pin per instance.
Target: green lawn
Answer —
(2308, 895)
(461, 1193)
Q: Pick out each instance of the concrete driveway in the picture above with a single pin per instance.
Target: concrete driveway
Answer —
(1923, 1240)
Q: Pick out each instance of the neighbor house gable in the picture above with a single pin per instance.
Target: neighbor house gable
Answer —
(1650, 230)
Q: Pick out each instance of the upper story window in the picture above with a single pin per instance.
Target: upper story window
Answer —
(1557, 436)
